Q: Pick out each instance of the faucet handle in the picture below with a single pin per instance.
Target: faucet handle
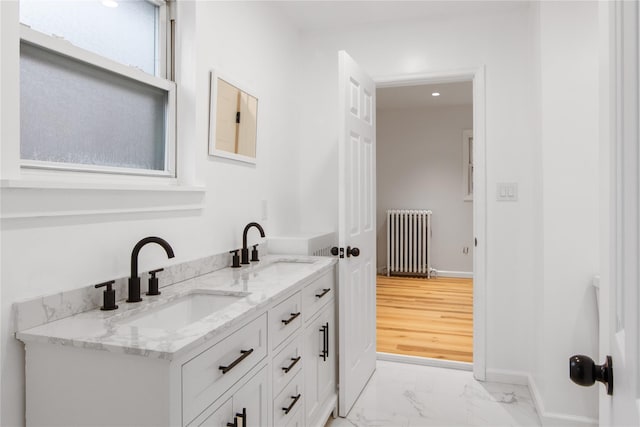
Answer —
(235, 259)
(153, 282)
(109, 295)
(254, 253)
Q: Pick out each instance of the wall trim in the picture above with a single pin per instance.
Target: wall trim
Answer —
(555, 418)
(425, 361)
(507, 376)
(546, 418)
(454, 274)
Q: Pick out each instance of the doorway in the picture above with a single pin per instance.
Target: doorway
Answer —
(425, 171)
(457, 264)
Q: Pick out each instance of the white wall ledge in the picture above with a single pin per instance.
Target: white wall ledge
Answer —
(65, 185)
(26, 198)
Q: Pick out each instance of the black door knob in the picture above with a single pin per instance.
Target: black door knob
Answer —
(583, 371)
(334, 251)
(352, 251)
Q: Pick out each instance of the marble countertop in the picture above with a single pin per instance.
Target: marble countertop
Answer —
(260, 284)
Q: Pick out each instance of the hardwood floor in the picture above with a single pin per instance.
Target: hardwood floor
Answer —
(425, 317)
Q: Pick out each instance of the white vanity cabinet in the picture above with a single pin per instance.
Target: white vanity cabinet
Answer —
(276, 366)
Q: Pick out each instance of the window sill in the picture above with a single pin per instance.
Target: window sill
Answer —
(31, 199)
(64, 185)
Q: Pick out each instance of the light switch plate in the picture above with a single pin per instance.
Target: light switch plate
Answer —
(507, 192)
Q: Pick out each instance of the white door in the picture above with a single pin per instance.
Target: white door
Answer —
(357, 286)
(619, 296)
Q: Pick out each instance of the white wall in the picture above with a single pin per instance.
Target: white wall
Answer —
(47, 255)
(567, 317)
(540, 112)
(419, 166)
(501, 42)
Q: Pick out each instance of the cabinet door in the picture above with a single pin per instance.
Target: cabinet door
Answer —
(220, 417)
(250, 401)
(327, 368)
(319, 363)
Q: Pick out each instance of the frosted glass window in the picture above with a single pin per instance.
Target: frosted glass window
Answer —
(72, 112)
(126, 33)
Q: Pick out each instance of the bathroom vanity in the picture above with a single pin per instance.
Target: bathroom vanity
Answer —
(236, 347)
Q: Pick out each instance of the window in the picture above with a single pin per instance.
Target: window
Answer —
(93, 96)
(467, 165)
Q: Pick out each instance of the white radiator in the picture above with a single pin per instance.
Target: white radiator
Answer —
(409, 242)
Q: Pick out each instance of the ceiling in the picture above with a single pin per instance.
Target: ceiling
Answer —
(321, 15)
(459, 93)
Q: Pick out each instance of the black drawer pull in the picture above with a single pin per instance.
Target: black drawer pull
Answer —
(295, 400)
(324, 292)
(325, 333)
(327, 339)
(242, 415)
(292, 318)
(288, 368)
(245, 354)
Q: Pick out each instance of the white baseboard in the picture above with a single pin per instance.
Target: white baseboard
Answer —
(437, 273)
(546, 418)
(455, 274)
(507, 377)
(425, 361)
(554, 418)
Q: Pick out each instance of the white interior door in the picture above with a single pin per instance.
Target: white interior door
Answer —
(619, 296)
(357, 286)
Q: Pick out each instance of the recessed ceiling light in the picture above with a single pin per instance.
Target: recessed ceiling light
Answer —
(435, 94)
(110, 3)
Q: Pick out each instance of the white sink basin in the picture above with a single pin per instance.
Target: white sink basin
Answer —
(182, 311)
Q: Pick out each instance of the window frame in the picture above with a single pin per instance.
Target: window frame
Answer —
(62, 47)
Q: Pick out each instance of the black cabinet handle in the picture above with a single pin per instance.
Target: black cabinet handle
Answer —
(327, 340)
(295, 400)
(245, 354)
(242, 415)
(324, 292)
(324, 342)
(292, 318)
(288, 368)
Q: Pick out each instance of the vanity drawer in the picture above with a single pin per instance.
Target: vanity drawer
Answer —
(284, 319)
(204, 380)
(286, 364)
(289, 402)
(316, 294)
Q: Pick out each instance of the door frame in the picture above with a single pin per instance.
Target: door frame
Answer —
(477, 76)
(619, 213)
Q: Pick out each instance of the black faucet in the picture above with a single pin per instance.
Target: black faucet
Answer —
(134, 280)
(245, 249)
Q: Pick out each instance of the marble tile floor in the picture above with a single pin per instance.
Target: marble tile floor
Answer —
(405, 395)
